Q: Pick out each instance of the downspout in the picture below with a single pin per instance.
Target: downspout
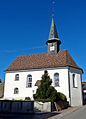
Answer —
(69, 85)
(82, 90)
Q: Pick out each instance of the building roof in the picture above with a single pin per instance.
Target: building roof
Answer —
(37, 83)
(53, 36)
(42, 60)
(53, 31)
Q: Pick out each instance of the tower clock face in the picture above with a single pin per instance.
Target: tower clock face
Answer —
(52, 48)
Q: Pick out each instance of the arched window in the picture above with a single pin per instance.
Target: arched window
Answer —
(29, 81)
(17, 77)
(56, 79)
(16, 91)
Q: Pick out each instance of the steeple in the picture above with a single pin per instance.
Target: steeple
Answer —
(53, 41)
(53, 31)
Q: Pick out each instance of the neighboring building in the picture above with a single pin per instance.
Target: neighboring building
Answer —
(23, 75)
(1, 89)
(84, 90)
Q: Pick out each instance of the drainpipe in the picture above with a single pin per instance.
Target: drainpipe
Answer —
(69, 85)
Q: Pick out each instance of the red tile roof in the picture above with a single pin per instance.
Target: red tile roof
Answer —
(42, 60)
(37, 83)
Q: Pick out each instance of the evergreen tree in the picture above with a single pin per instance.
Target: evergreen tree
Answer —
(45, 90)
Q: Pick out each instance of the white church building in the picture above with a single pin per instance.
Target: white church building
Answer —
(24, 74)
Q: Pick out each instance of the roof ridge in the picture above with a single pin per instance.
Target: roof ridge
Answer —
(33, 54)
(39, 53)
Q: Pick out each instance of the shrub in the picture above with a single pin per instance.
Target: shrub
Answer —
(51, 93)
(27, 98)
(6, 99)
(61, 96)
(16, 99)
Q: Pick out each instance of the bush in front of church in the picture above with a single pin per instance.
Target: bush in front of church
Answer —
(46, 92)
(27, 98)
(61, 96)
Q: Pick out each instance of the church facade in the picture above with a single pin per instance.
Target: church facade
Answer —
(24, 74)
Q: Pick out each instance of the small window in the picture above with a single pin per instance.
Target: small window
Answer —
(74, 81)
(17, 77)
(29, 81)
(16, 91)
(56, 79)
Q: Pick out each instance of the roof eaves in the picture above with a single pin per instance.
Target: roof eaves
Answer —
(76, 68)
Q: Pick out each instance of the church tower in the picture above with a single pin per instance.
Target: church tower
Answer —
(53, 41)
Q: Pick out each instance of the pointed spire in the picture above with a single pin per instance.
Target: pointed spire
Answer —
(53, 42)
(53, 36)
(53, 32)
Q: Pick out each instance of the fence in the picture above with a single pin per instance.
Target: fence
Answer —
(16, 106)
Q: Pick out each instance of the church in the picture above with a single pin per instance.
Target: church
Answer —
(23, 76)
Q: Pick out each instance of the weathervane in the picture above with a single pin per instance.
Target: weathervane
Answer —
(53, 5)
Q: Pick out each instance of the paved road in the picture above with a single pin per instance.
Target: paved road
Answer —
(78, 114)
(28, 116)
(16, 116)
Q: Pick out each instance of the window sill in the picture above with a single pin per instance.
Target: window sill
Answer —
(28, 87)
(75, 87)
(57, 86)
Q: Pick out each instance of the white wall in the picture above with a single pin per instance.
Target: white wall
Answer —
(76, 93)
(10, 82)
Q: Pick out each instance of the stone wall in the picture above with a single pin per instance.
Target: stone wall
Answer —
(60, 105)
(45, 107)
(16, 106)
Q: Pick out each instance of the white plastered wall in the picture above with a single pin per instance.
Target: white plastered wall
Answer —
(76, 92)
(10, 82)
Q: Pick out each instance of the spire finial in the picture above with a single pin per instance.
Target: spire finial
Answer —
(53, 3)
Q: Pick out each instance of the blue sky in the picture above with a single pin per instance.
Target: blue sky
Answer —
(25, 26)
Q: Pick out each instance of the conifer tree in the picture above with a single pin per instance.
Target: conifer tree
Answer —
(45, 90)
